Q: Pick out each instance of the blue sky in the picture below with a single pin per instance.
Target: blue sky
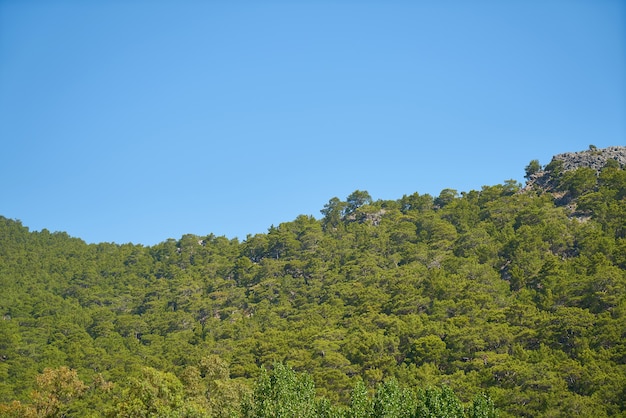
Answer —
(141, 121)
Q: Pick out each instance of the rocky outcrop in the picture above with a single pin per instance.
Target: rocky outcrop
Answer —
(594, 158)
(549, 178)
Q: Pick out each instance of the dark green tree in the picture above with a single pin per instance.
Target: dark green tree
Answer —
(333, 211)
(532, 168)
(355, 200)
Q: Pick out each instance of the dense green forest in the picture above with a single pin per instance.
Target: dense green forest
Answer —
(451, 305)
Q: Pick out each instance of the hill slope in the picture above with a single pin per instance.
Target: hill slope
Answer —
(518, 293)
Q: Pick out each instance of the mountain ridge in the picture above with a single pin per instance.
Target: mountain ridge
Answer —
(594, 158)
(498, 291)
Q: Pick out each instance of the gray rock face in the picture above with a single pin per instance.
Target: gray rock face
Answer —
(594, 158)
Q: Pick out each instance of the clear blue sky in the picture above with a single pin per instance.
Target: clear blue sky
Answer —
(138, 121)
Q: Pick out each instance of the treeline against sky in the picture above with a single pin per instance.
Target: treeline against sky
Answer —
(503, 295)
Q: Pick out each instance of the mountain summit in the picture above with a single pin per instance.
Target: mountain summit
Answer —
(592, 160)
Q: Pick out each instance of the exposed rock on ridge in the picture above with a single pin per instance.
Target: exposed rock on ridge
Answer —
(549, 179)
(593, 158)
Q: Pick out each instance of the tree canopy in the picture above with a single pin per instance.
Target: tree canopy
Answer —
(502, 300)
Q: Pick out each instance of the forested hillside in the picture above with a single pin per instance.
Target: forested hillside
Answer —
(505, 294)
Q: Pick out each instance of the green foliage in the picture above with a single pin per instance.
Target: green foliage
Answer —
(555, 167)
(360, 403)
(283, 393)
(532, 168)
(391, 401)
(513, 293)
(445, 197)
(439, 403)
(60, 392)
(357, 199)
(482, 407)
(152, 393)
(579, 181)
(333, 211)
